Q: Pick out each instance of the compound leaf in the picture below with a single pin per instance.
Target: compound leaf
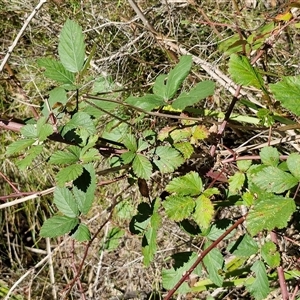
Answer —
(142, 167)
(82, 233)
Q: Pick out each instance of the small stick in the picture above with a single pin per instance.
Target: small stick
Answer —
(15, 42)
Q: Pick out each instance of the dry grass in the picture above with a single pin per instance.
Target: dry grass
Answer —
(130, 53)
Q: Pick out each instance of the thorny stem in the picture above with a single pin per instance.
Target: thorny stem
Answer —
(202, 255)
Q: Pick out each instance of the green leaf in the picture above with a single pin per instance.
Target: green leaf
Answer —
(69, 173)
(243, 73)
(147, 102)
(149, 243)
(189, 184)
(56, 95)
(130, 142)
(236, 182)
(179, 207)
(169, 159)
(244, 165)
(124, 210)
(65, 202)
(84, 188)
(58, 226)
(90, 156)
(245, 246)
(269, 212)
(293, 163)
(56, 71)
(185, 148)
(71, 47)
(269, 156)
(184, 261)
(19, 146)
(113, 237)
(128, 157)
(270, 254)
(287, 91)
(43, 129)
(214, 262)
(204, 212)
(272, 179)
(31, 154)
(199, 92)
(260, 287)
(82, 233)
(142, 167)
(83, 124)
(159, 88)
(177, 75)
(63, 157)
(29, 131)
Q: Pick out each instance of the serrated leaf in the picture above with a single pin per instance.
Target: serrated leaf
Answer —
(31, 154)
(43, 129)
(69, 173)
(65, 202)
(130, 142)
(142, 167)
(185, 148)
(245, 246)
(236, 182)
(272, 179)
(124, 210)
(58, 226)
(293, 163)
(82, 233)
(260, 287)
(84, 188)
(218, 229)
(169, 159)
(29, 131)
(171, 276)
(90, 156)
(113, 237)
(71, 47)
(80, 121)
(287, 91)
(19, 146)
(149, 243)
(204, 212)
(146, 102)
(57, 96)
(214, 262)
(56, 71)
(270, 254)
(63, 157)
(243, 73)
(177, 75)
(199, 92)
(128, 157)
(244, 165)
(269, 156)
(179, 207)
(189, 184)
(270, 212)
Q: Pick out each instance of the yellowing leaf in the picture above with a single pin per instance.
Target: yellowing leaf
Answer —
(284, 17)
(204, 212)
